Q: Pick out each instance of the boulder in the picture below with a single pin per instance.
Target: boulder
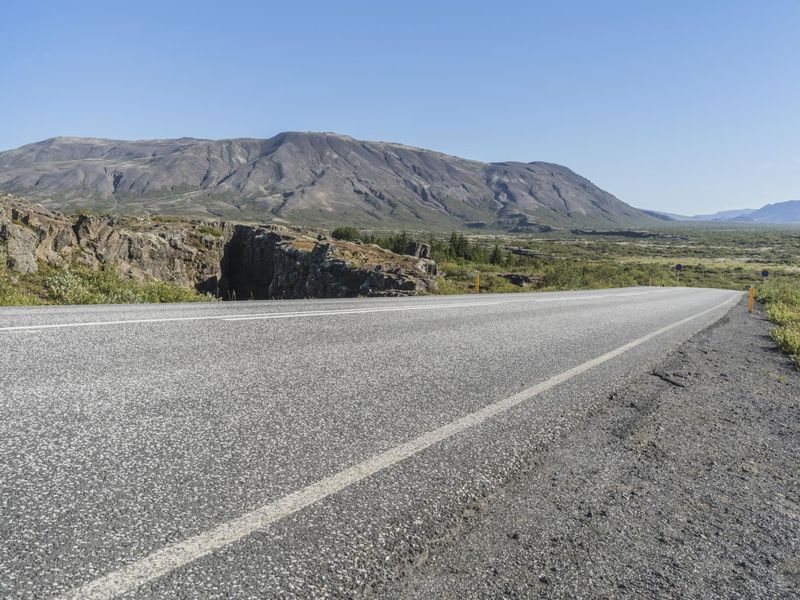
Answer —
(522, 279)
(418, 249)
(20, 244)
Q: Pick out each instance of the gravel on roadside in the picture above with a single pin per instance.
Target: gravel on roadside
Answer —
(684, 484)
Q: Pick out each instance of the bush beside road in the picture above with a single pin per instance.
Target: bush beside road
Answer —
(782, 302)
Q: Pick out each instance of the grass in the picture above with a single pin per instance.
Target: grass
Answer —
(210, 230)
(571, 274)
(78, 284)
(782, 304)
(13, 295)
(562, 260)
(166, 218)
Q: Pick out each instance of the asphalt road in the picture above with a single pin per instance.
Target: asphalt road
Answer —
(293, 448)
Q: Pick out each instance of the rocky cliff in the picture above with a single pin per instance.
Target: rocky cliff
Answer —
(230, 261)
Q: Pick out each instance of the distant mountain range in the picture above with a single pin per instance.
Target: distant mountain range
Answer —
(777, 213)
(309, 178)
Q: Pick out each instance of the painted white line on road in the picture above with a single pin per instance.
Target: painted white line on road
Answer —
(316, 313)
(355, 311)
(177, 555)
(100, 323)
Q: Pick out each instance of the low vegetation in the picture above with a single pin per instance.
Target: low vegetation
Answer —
(77, 284)
(782, 302)
(731, 259)
(211, 230)
(348, 234)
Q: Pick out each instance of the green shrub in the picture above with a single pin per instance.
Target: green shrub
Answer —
(79, 284)
(787, 338)
(13, 295)
(783, 314)
(785, 292)
(395, 242)
(65, 286)
(348, 233)
(210, 230)
(448, 287)
(782, 301)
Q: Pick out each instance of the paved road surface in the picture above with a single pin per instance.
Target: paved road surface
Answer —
(294, 448)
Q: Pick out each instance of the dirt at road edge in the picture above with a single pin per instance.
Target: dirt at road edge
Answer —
(685, 484)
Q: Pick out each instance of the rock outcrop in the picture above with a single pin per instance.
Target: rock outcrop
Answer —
(281, 262)
(522, 279)
(231, 261)
(168, 250)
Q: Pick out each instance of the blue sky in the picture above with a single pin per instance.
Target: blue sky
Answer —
(672, 105)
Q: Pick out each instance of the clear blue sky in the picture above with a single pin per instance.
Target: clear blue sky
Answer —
(685, 106)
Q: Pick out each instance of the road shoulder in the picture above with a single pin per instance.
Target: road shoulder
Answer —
(684, 484)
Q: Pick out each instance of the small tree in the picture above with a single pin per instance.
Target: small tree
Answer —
(400, 242)
(497, 256)
(346, 233)
(458, 245)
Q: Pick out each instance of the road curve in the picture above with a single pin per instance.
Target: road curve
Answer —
(290, 448)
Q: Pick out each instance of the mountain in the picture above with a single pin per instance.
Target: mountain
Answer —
(663, 216)
(311, 178)
(777, 213)
(724, 215)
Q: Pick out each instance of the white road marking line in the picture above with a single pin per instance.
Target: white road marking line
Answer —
(347, 311)
(100, 323)
(299, 314)
(177, 555)
(355, 311)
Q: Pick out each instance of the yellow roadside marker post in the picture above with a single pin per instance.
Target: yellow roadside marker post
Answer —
(751, 298)
(477, 283)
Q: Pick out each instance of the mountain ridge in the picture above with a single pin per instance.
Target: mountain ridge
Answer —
(775, 213)
(787, 211)
(308, 177)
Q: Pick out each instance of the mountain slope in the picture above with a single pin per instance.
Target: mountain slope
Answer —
(724, 215)
(315, 178)
(779, 212)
